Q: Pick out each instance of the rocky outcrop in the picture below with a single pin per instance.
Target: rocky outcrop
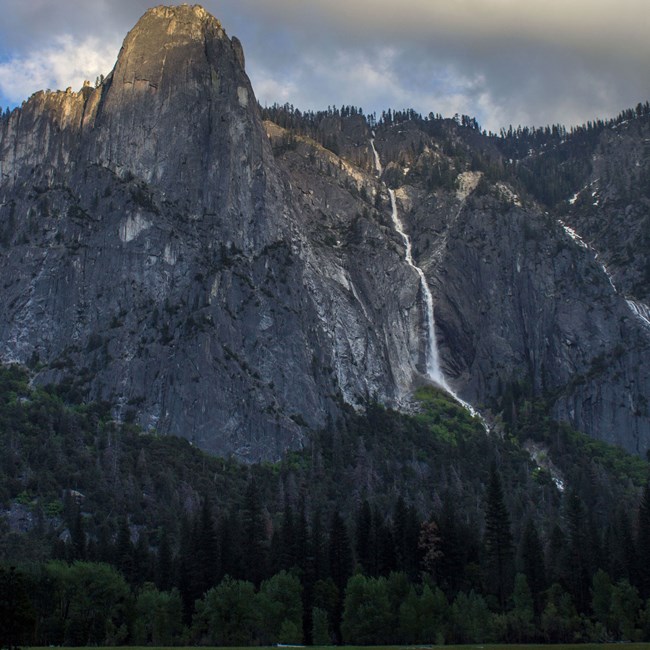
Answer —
(156, 257)
(611, 211)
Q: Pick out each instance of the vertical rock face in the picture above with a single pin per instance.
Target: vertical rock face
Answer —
(156, 257)
(521, 297)
(233, 281)
(179, 113)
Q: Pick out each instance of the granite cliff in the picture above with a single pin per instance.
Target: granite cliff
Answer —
(234, 280)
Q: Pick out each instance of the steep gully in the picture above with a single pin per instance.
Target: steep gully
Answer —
(433, 369)
(638, 309)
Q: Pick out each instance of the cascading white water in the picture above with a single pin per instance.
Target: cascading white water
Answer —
(432, 359)
(378, 167)
(640, 310)
(433, 369)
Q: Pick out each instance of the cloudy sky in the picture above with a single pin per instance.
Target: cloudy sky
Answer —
(506, 62)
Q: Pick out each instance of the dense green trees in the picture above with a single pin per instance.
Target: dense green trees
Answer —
(280, 609)
(17, 616)
(643, 543)
(158, 617)
(227, 615)
(499, 549)
(86, 603)
(367, 611)
(387, 518)
(83, 603)
(533, 564)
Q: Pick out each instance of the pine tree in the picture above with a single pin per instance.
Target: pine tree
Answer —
(124, 551)
(319, 553)
(17, 616)
(287, 551)
(451, 565)
(184, 568)
(643, 543)
(78, 535)
(142, 560)
(399, 533)
(626, 548)
(206, 559)
(164, 565)
(578, 564)
(340, 565)
(340, 555)
(363, 539)
(254, 541)
(532, 560)
(601, 598)
(307, 565)
(556, 548)
(521, 616)
(384, 546)
(429, 544)
(230, 544)
(406, 530)
(301, 543)
(498, 543)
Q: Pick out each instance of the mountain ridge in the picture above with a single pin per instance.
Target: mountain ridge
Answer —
(234, 285)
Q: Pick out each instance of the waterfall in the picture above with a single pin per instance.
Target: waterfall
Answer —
(640, 310)
(378, 167)
(432, 359)
(433, 369)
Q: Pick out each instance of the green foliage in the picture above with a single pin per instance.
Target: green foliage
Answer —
(320, 627)
(423, 618)
(434, 613)
(498, 542)
(533, 563)
(279, 606)
(528, 418)
(625, 607)
(158, 617)
(643, 542)
(17, 616)
(111, 490)
(366, 614)
(115, 469)
(560, 622)
(521, 626)
(91, 601)
(446, 419)
(227, 615)
(471, 618)
(601, 598)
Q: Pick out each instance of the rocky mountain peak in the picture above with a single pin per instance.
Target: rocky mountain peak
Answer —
(177, 98)
(170, 46)
(162, 29)
(184, 12)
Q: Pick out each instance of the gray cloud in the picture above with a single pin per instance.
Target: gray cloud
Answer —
(505, 61)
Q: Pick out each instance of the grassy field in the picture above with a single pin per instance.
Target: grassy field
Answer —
(534, 646)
